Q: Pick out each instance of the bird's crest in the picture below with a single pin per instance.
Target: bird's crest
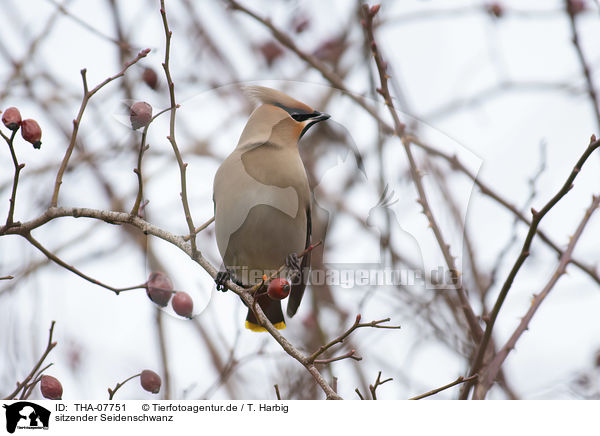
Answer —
(261, 94)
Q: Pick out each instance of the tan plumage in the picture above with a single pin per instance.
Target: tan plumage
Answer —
(262, 198)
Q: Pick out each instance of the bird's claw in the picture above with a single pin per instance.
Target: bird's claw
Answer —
(221, 279)
(292, 262)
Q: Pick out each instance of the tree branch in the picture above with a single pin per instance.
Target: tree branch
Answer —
(537, 217)
(113, 217)
(24, 384)
(492, 369)
(182, 165)
(87, 94)
(458, 381)
(585, 66)
(138, 170)
(399, 130)
(51, 256)
(337, 82)
(378, 382)
(349, 355)
(18, 168)
(112, 392)
(357, 324)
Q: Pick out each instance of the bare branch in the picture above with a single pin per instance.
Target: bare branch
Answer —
(357, 324)
(492, 369)
(138, 170)
(585, 66)
(74, 270)
(25, 383)
(458, 381)
(18, 168)
(537, 217)
(378, 382)
(112, 392)
(199, 229)
(359, 394)
(349, 355)
(337, 82)
(277, 392)
(399, 130)
(171, 137)
(87, 94)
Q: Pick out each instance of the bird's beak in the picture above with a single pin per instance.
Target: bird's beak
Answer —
(319, 116)
(314, 119)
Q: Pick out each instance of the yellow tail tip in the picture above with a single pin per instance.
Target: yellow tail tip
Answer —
(257, 328)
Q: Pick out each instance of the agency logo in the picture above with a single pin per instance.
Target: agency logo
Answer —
(26, 415)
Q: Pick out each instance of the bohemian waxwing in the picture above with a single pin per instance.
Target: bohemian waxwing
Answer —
(263, 201)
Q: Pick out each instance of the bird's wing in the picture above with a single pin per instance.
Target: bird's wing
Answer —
(297, 291)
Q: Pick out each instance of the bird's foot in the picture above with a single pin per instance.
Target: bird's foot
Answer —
(292, 262)
(221, 279)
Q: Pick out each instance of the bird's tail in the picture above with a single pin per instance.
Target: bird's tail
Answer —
(272, 309)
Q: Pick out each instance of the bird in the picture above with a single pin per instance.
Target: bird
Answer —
(262, 202)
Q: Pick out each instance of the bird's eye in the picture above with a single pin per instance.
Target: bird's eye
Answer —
(300, 117)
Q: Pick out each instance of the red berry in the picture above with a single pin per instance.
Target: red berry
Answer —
(51, 388)
(330, 50)
(496, 9)
(159, 288)
(278, 289)
(574, 7)
(12, 118)
(150, 381)
(182, 304)
(271, 51)
(140, 114)
(31, 132)
(150, 78)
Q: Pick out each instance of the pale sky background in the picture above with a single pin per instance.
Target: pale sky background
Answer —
(441, 60)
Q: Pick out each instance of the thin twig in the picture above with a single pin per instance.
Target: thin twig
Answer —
(112, 392)
(18, 168)
(87, 94)
(535, 221)
(369, 14)
(311, 60)
(182, 165)
(491, 371)
(337, 82)
(164, 353)
(458, 381)
(27, 392)
(199, 229)
(359, 394)
(277, 392)
(83, 23)
(349, 355)
(51, 256)
(585, 66)
(138, 170)
(378, 382)
(114, 217)
(357, 324)
(24, 384)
